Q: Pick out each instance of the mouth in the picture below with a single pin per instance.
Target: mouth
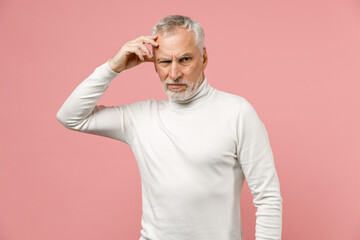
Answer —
(176, 86)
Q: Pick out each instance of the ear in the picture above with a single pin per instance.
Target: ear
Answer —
(205, 58)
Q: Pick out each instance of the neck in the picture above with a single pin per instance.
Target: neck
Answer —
(201, 93)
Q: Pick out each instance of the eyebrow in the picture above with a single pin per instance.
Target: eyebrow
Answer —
(187, 54)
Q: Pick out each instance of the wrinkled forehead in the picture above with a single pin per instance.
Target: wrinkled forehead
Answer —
(175, 43)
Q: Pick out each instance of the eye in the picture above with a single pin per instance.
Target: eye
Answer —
(167, 61)
(185, 59)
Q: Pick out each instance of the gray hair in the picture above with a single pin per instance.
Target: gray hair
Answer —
(169, 23)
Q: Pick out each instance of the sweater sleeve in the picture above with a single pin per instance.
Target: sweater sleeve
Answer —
(257, 162)
(80, 112)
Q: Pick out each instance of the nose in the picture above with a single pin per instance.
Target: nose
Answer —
(175, 70)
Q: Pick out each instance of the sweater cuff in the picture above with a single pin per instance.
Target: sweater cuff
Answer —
(105, 72)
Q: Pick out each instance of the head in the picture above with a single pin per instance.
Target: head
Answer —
(181, 57)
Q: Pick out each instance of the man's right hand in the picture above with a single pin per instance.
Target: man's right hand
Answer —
(133, 53)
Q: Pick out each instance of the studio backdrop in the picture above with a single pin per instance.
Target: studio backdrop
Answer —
(296, 62)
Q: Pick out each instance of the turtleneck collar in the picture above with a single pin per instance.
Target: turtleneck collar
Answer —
(201, 93)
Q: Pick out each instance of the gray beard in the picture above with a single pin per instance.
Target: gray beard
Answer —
(176, 95)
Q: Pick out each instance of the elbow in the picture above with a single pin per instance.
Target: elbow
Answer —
(69, 121)
(270, 207)
(271, 200)
(60, 116)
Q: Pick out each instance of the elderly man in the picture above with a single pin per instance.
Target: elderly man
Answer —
(194, 150)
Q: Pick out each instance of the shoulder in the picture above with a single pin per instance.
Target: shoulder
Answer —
(142, 107)
(229, 99)
(233, 105)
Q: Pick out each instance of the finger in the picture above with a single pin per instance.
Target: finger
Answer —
(145, 50)
(150, 40)
(139, 54)
(150, 36)
(149, 59)
(138, 48)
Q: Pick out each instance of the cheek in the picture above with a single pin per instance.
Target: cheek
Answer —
(160, 70)
(193, 71)
(162, 74)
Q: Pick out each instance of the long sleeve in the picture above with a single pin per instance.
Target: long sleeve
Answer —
(257, 162)
(80, 112)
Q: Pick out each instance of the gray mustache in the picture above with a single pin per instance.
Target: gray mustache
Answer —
(176, 81)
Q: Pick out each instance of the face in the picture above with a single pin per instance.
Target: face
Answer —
(179, 63)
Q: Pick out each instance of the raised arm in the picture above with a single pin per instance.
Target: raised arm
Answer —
(257, 162)
(80, 112)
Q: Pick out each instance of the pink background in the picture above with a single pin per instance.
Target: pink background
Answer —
(297, 62)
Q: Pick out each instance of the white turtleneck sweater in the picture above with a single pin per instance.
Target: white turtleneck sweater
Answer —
(193, 157)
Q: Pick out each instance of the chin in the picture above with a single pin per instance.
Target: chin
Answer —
(179, 96)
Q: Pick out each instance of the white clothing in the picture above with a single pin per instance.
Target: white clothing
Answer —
(193, 157)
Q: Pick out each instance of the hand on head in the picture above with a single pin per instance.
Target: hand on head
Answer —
(133, 53)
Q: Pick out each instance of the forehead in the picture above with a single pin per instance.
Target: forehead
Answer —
(176, 43)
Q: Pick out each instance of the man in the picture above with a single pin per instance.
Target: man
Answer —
(194, 149)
